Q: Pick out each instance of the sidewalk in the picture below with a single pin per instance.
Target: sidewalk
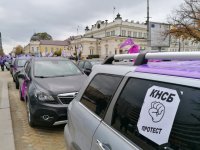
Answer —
(6, 130)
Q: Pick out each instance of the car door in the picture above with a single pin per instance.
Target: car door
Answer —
(86, 115)
(119, 130)
(106, 137)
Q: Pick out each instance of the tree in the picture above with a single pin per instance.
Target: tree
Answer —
(185, 21)
(19, 50)
(41, 36)
(1, 53)
(58, 52)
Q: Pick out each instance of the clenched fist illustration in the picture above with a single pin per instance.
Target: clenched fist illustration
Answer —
(157, 111)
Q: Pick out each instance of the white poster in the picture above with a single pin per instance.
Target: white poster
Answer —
(158, 113)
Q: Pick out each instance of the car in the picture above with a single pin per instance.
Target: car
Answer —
(50, 84)
(86, 65)
(146, 105)
(17, 67)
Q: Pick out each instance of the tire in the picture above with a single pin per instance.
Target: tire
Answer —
(30, 116)
(20, 94)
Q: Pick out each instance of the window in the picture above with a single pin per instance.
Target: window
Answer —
(91, 51)
(134, 34)
(144, 35)
(88, 65)
(140, 35)
(99, 93)
(112, 33)
(80, 64)
(123, 32)
(129, 33)
(185, 133)
(106, 51)
(107, 33)
(55, 68)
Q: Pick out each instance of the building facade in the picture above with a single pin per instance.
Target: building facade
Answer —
(32, 47)
(104, 38)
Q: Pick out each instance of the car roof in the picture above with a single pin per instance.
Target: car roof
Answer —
(189, 69)
(180, 64)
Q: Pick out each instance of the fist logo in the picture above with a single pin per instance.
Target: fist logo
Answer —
(157, 111)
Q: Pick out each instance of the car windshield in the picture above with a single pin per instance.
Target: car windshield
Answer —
(55, 68)
(21, 62)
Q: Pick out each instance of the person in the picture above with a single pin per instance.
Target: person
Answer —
(2, 63)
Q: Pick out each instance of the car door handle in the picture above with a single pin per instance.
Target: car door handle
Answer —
(102, 146)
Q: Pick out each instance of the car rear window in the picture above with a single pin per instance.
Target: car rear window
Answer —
(99, 93)
(185, 132)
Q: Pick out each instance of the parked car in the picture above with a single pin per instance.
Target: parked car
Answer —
(144, 106)
(86, 65)
(17, 67)
(49, 86)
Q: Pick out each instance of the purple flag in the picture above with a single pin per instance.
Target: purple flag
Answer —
(128, 41)
(134, 49)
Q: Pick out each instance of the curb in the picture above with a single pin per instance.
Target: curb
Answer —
(6, 130)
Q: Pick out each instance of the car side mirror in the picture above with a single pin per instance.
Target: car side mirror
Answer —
(87, 71)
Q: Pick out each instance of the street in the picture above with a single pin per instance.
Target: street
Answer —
(25, 137)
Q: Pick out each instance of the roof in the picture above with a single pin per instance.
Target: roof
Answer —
(189, 69)
(53, 42)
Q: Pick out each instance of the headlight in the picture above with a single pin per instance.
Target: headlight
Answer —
(43, 96)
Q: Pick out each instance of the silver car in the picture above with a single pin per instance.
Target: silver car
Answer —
(149, 106)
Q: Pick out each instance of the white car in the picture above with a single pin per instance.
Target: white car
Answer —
(149, 105)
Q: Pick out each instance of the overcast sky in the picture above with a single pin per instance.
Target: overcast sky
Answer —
(19, 19)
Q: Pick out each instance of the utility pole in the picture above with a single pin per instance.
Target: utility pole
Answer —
(147, 22)
(1, 47)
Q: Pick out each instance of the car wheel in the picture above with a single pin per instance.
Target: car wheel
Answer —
(20, 94)
(30, 116)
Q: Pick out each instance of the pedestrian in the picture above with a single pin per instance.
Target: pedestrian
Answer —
(2, 63)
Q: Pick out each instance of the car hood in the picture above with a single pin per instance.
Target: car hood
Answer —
(59, 85)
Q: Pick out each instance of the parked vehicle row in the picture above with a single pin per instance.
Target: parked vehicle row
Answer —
(148, 105)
